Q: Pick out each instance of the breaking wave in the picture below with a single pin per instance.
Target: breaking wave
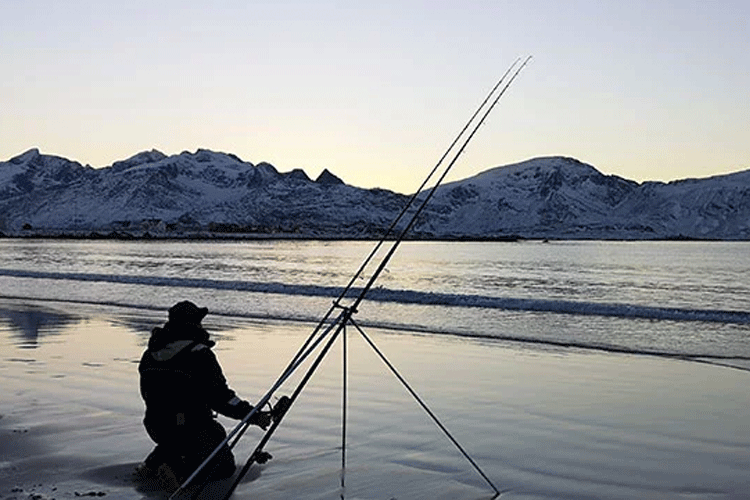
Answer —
(409, 297)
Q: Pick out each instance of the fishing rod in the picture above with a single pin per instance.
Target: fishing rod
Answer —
(243, 425)
(352, 309)
(347, 312)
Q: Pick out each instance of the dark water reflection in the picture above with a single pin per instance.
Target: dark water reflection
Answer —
(30, 324)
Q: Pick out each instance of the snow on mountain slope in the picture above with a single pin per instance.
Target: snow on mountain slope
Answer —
(563, 198)
(545, 196)
(208, 192)
(716, 207)
(186, 192)
(23, 173)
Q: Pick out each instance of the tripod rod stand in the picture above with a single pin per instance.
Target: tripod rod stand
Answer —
(345, 320)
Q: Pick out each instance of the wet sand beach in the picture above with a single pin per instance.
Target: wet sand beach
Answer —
(542, 423)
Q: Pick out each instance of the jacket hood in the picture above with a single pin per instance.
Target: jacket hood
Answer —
(170, 350)
(161, 336)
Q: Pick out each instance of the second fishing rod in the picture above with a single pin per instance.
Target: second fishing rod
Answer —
(349, 311)
(341, 321)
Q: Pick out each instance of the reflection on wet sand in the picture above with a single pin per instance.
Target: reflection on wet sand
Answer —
(30, 323)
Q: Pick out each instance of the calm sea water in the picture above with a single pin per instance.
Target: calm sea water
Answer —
(687, 299)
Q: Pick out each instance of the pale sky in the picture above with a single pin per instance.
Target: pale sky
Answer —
(375, 91)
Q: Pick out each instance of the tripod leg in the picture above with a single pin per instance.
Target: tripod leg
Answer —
(425, 407)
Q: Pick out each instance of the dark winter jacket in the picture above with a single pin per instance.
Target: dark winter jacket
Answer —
(182, 383)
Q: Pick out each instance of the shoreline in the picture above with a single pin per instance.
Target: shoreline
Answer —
(94, 235)
(736, 362)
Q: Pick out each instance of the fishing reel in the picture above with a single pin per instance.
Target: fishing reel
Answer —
(262, 457)
(282, 405)
(277, 412)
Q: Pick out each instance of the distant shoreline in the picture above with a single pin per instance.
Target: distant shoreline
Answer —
(122, 236)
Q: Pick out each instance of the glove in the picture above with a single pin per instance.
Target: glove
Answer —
(241, 410)
(261, 418)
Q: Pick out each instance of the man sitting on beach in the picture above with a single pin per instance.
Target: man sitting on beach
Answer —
(183, 385)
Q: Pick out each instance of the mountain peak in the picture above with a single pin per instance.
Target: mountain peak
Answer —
(209, 156)
(327, 177)
(299, 175)
(139, 159)
(547, 163)
(25, 157)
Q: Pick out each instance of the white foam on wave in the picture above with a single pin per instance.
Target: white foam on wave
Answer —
(409, 297)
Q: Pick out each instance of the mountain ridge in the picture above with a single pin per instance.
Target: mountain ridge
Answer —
(215, 194)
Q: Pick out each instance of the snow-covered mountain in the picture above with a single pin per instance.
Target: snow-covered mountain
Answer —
(563, 198)
(210, 193)
(185, 194)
